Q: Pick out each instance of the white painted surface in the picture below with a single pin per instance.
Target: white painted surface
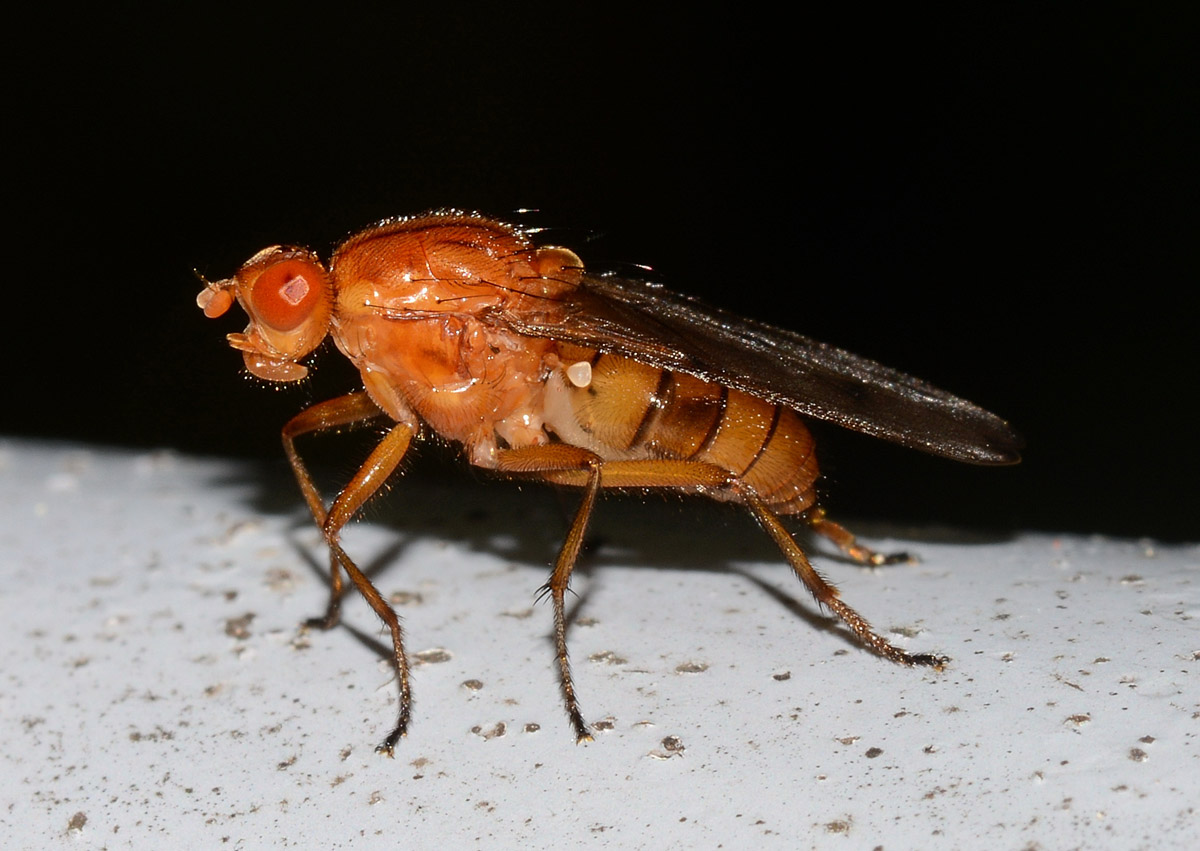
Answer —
(157, 691)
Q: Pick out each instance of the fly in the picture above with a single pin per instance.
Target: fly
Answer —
(462, 327)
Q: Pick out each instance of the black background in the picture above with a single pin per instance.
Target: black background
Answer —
(1001, 203)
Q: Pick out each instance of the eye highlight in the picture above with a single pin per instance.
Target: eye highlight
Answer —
(286, 293)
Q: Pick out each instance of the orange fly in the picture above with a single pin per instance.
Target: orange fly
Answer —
(461, 326)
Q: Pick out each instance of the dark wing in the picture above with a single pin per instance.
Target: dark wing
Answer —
(647, 323)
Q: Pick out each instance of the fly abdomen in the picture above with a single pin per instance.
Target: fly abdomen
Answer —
(767, 446)
(622, 409)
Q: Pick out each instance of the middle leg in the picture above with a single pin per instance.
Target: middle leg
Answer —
(571, 465)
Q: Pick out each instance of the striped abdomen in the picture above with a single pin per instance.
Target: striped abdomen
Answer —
(622, 410)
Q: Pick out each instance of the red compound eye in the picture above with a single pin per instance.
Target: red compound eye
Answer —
(286, 293)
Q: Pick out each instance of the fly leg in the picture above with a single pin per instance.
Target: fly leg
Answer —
(847, 543)
(342, 412)
(546, 461)
(557, 588)
(570, 465)
(380, 464)
(825, 593)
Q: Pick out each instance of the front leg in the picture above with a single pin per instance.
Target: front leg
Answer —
(342, 412)
(380, 464)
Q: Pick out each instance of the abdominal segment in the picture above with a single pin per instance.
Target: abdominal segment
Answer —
(624, 410)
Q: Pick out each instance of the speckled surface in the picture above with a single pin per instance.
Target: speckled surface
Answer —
(157, 688)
